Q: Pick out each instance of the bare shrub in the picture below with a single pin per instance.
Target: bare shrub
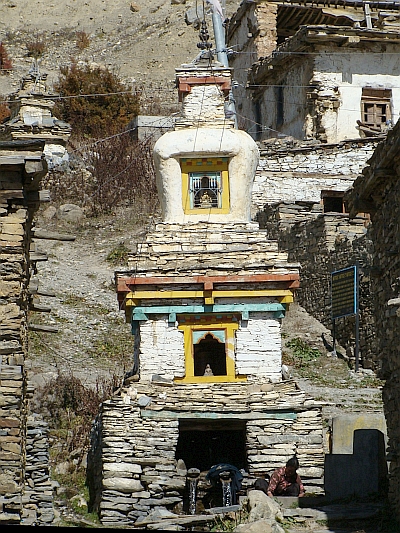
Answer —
(5, 61)
(36, 48)
(105, 103)
(5, 112)
(82, 40)
(71, 407)
(113, 172)
(124, 175)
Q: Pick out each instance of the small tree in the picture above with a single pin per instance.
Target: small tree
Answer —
(105, 103)
(5, 62)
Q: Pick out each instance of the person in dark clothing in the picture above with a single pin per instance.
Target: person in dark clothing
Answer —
(285, 481)
(262, 483)
(214, 495)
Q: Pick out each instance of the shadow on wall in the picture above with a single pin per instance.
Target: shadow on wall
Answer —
(360, 474)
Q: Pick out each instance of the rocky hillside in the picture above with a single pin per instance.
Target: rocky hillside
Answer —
(143, 41)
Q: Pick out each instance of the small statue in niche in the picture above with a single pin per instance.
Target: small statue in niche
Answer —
(208, 371)
(205, 200)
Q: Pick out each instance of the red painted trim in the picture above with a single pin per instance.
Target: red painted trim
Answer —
(185, 84)
(124, 284)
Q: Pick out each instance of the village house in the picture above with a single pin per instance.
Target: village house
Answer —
(377, 191)
(316, 86)
(205, 294)
(314, 70)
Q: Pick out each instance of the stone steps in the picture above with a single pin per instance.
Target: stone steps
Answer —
(310, 510)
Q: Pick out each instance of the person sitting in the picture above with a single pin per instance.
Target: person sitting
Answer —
(285, 481)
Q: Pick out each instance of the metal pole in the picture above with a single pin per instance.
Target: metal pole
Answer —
(219, 34)
(357, 325)
(334, 338)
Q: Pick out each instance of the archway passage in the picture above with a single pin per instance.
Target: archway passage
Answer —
(203, 444)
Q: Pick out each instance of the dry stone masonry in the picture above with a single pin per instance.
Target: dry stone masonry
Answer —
(205, 294)
(377, 191)
(140, 424)
(25, 488)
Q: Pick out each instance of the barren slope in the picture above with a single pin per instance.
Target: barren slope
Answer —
(143, 43)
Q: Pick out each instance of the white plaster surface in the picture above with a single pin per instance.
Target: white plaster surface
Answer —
(301, 176)
(206, 142)
(161, 349)
(340, 78)
(259, 348)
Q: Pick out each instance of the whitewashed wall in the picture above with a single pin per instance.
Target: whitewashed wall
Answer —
(350, 73)
(259, 348)
(300, 176)
(161, 349)
(340, 79)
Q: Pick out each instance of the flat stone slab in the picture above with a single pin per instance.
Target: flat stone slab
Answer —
(335, 512)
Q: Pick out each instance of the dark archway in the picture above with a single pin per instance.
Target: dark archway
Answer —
(202, 444)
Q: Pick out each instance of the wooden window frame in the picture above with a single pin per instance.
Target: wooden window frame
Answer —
(376, 103)
(335, 195)
(213, 166)
(226, 324)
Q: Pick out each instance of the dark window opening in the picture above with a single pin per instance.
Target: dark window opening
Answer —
(333, 201)
(204, 444)
(209, 357)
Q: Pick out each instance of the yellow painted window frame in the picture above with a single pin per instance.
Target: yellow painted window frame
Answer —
(204, 165)
(230, 329)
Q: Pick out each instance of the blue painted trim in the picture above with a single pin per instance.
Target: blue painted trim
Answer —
(140, 313)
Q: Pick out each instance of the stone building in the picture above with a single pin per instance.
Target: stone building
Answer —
(298, 197)
(312, 70)
(31, 118)
(26, 491)
(377, 191)
(316, 85)
(205, 294)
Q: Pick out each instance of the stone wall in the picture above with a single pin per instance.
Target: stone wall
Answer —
(323, 243)
(290, 171)
(39, 490)
(377, 191)
(251, 34)
(24, 487)
(140, 427)
(287, 203)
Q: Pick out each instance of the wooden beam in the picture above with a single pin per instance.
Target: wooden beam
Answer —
(124, 283)
(42, 327)
(141, 295)
(140, 313)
